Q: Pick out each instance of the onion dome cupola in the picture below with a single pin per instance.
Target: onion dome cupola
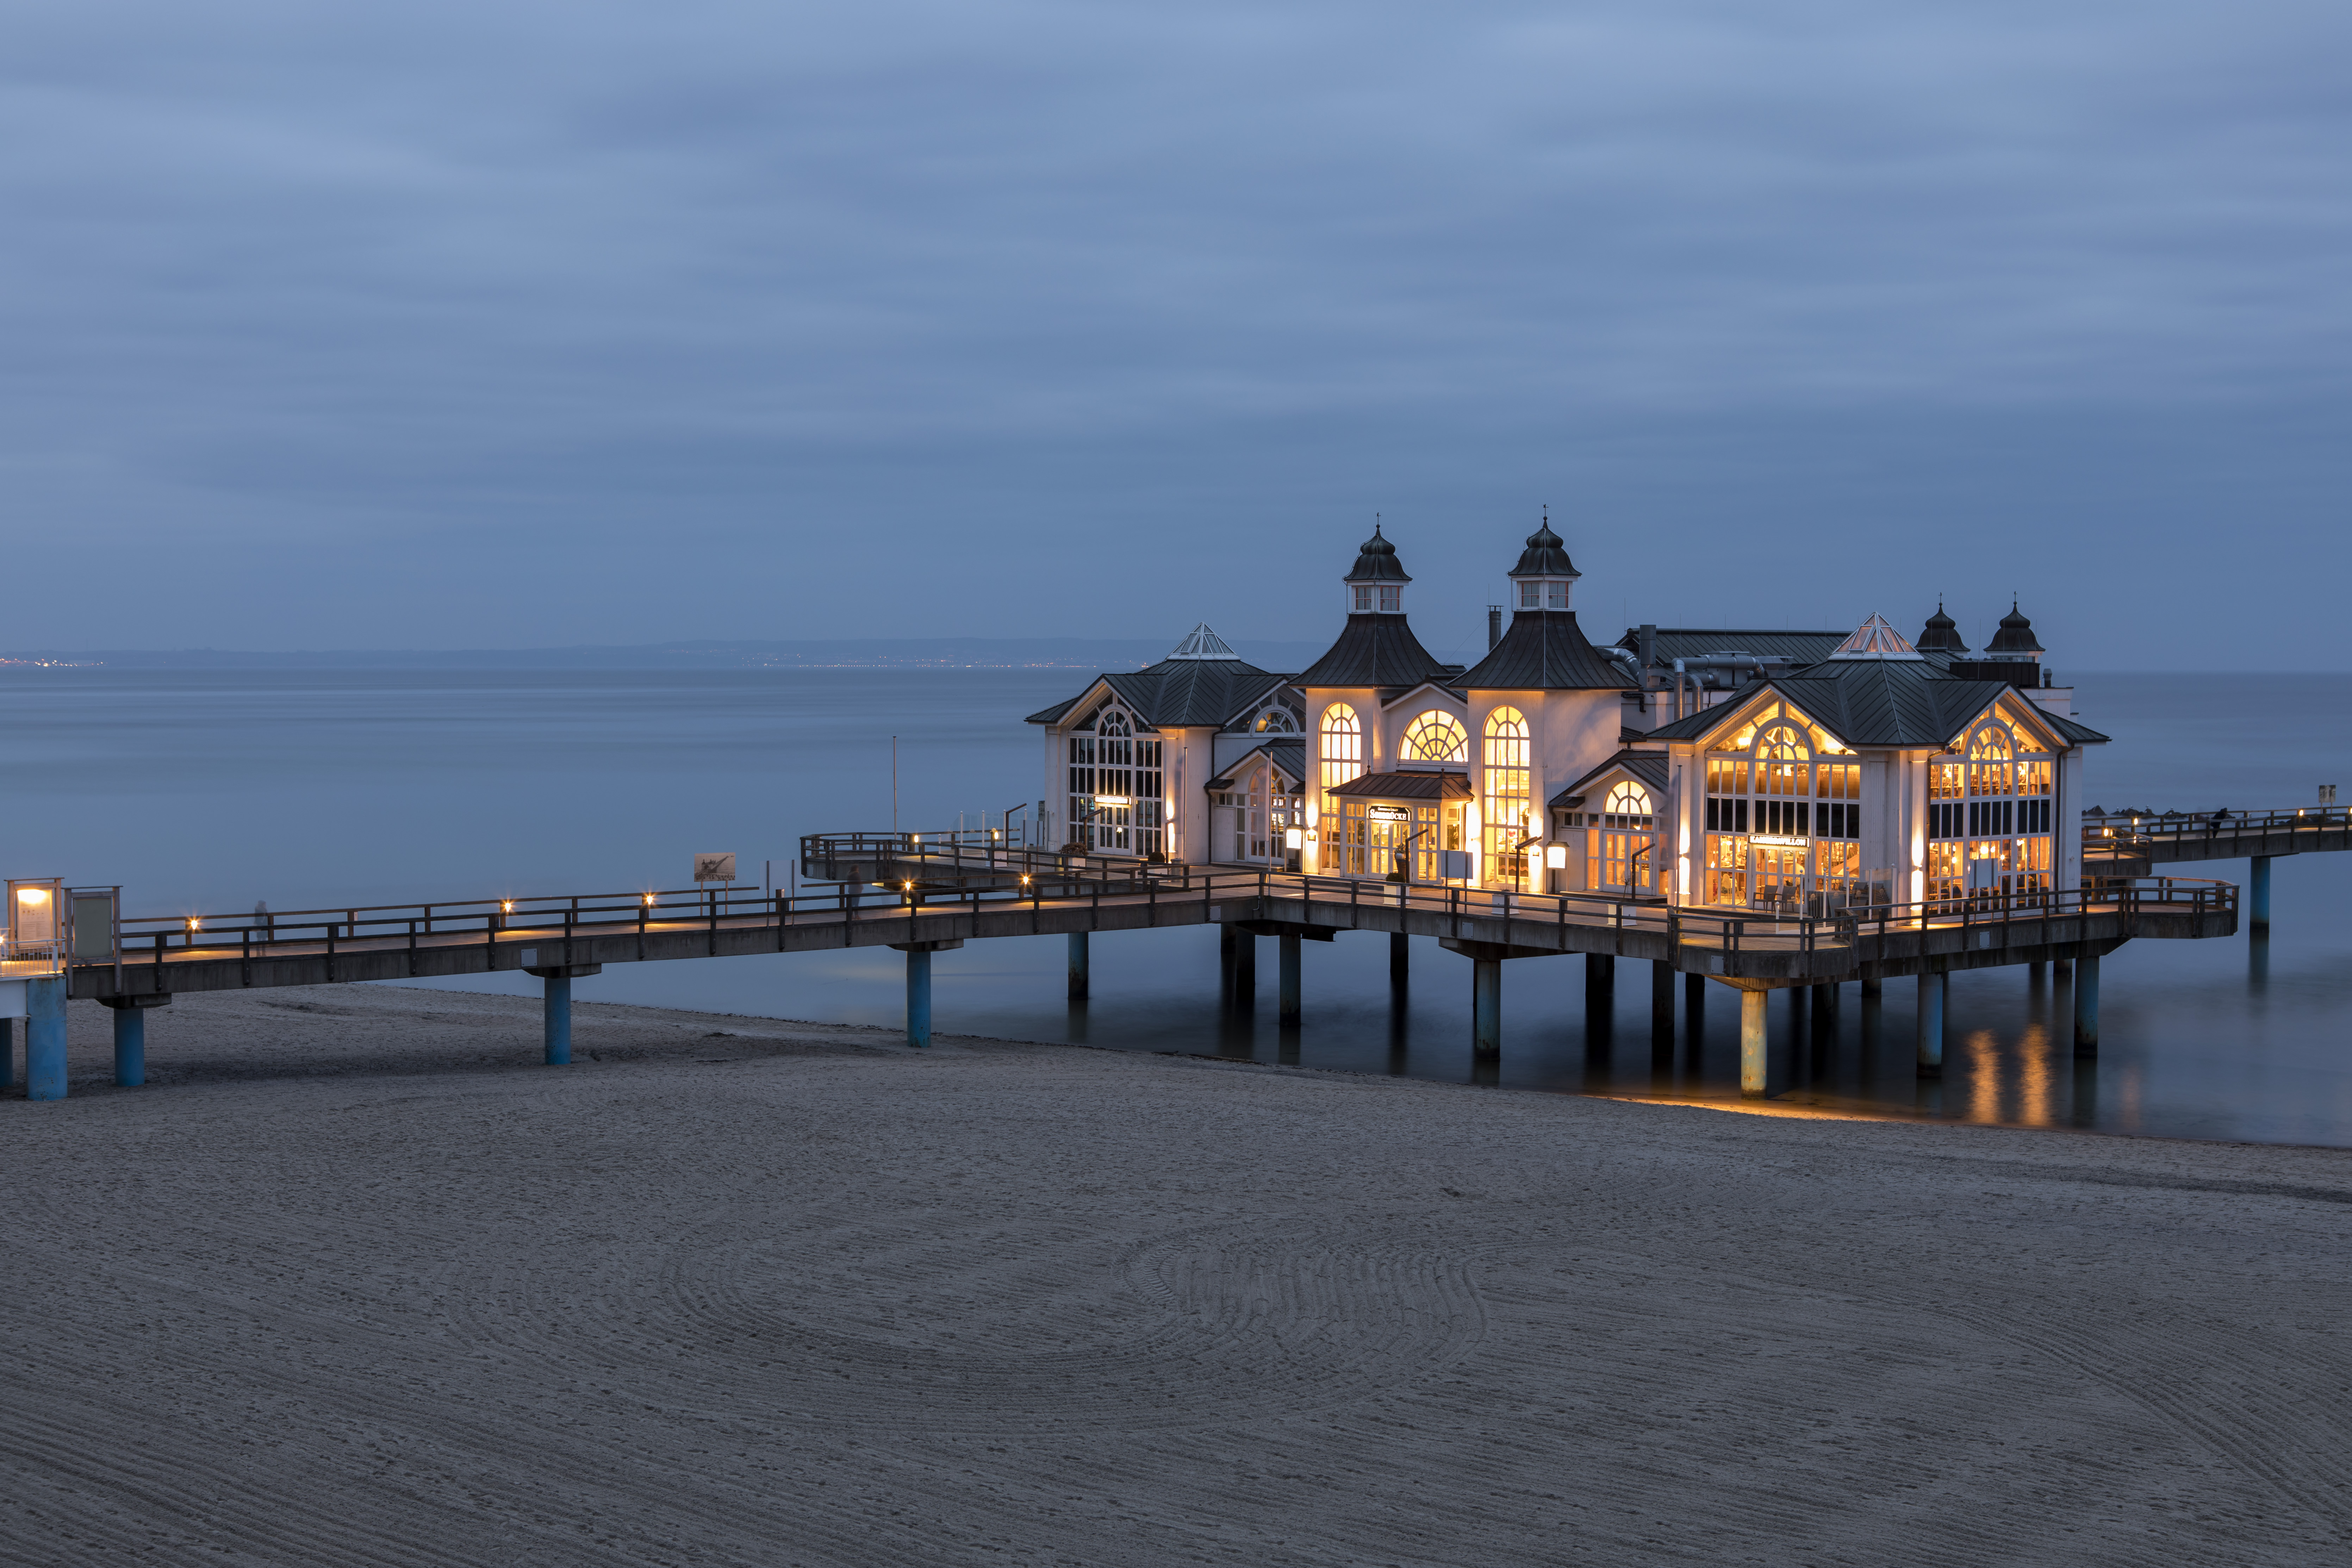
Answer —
(2015, 640)
(1545, 575)
(1376, 583)
(1545, 650)
(1941, 634)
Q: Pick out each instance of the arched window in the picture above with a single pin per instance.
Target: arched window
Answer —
(1343, 746)
(1437, 737)
(1990, 743)
(1781, 744)
(1506, 792)
(1115, 800)
(1626, 802)
(1276, 721)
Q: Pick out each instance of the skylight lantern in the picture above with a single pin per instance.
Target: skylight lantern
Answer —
(1544, 576)
(1375, 584)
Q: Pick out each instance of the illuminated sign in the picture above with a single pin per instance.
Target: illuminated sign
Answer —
(1777, 841)
(1389, 813)
(1114, 800)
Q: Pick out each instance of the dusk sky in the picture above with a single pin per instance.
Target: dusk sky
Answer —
(501, 325)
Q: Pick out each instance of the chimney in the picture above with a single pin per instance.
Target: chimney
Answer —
(1646, 647)
(1494, 624)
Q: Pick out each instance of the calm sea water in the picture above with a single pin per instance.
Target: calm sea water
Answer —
(202, 792)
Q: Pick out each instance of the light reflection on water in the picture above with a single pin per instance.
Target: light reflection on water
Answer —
(203, 791)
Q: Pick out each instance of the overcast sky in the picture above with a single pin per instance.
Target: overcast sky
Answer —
(499, 323)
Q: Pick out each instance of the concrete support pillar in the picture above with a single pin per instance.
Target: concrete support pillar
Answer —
(918, 989)
(2036, 972)
(2086, 1008)
(1825, 1001)
(45, 1039)
(7, 1053)
(1755, 1051)
(2061, 969)
(1931, 1025)
(2258, 894)
(1600, 974)
(1400, 958)
(1871, 985)
(1288, 1012)
(1079, 966)
(556, 1011)
(1245, 966)
(1662, 1005)
(1486, 1006)
(130, 1047)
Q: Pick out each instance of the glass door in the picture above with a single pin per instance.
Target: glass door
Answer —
(1779, 884)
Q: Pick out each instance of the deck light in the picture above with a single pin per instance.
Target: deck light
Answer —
(650, 897)
(192, 922)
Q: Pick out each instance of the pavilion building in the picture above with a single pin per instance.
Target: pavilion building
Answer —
(1779, 770)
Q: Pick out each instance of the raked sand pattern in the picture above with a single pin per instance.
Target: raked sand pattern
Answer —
(355, 1282)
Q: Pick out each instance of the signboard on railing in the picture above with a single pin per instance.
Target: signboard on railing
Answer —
(714, 868)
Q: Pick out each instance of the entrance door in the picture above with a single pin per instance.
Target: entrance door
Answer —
(1780, 878)
(1625, 863)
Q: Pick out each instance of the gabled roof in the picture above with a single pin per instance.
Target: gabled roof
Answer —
(1648, 767)
(1408, 786)
(1288, 757)
(1881, 702)
(1177, 693)
(1545, 650)
(1435, 688)
(1376, 650)
(1693, 642)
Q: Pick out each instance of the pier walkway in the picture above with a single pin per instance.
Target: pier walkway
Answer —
(922, 893)
(2135, 843)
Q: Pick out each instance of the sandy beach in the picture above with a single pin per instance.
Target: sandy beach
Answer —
(354, 1280)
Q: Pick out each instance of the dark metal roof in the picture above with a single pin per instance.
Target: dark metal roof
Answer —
(1691, 642)
(1545, 650)
(1177, 693)
(1941, 634)
(1288, 757)
(2016, 634)
(1376, 650)
(1883, 702)
(1650, 767)
(1408, 786)
(1545, 556)
(1376, 562)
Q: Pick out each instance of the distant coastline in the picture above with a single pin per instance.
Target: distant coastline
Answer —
(837, 653)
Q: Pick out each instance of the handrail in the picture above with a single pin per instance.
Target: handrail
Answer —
(2175, 827)
(567, 918)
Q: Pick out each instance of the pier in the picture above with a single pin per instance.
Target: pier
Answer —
(925, 893)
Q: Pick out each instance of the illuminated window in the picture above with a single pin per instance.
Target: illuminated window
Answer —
(1628, 807)
(1117, 800)
(1990, 817)
(1343, 746)
(1506, 776)
(1276, 721)
(1437, 737)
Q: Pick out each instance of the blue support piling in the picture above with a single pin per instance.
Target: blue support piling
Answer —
(1755, 1046)
(1079, 966)
(919, 991)
(1932, 991)
(7, 1053)
(1289, 945)
(2258, 892)
(1486, 1006)
(130, 1047)
(556, 1010)
(2086, 1008)
(45, 1039)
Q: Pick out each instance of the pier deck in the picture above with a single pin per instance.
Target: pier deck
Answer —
(948, 895)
